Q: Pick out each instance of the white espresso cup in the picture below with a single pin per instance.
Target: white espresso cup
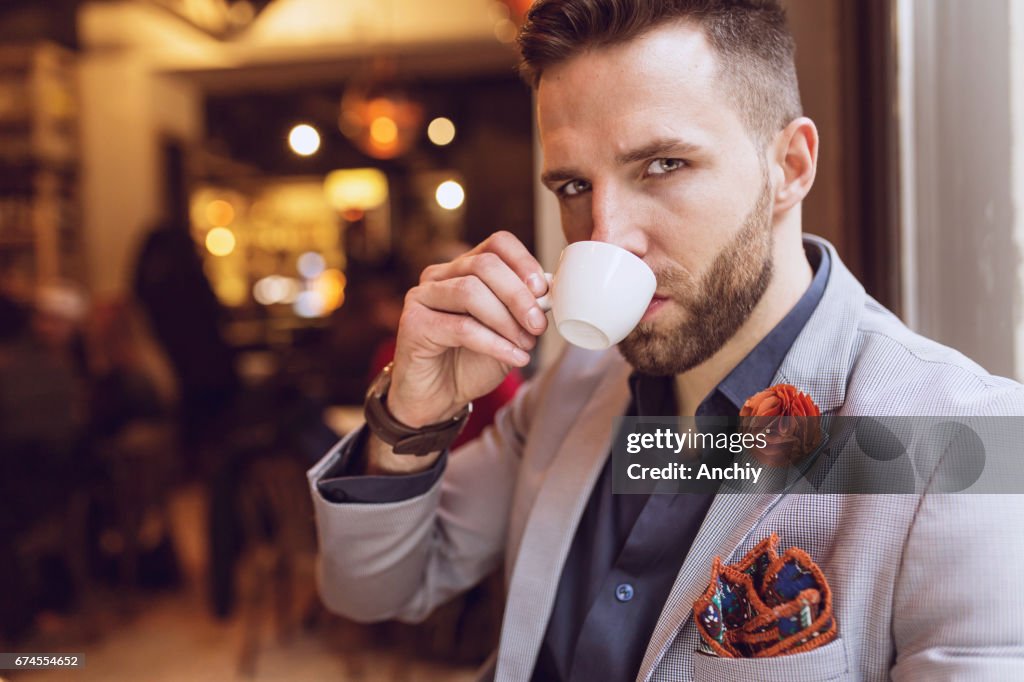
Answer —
(598, 294)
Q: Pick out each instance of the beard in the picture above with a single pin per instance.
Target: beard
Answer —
(714, 307)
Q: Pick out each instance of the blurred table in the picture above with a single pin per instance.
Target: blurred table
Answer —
(343, 419)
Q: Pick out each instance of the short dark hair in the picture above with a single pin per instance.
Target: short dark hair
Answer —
(750, 37)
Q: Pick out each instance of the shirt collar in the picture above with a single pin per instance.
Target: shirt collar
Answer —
(655, 396)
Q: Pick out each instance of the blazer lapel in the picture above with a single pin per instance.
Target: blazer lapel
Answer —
(821, 357)
(818, 363)
(552, 524)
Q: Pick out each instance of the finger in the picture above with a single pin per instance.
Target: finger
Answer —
(469, 295)
(506, 246)
(447, 330)
(499, 277)
(518, 257)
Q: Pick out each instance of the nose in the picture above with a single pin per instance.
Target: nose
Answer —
(616, 221)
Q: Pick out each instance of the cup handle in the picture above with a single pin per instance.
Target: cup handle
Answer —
(544, 302)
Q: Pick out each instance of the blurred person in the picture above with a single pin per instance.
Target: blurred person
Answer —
(186, 318)
(41, 387)
(673, 130)
(42, 420)
(16, 610)
(224, 428)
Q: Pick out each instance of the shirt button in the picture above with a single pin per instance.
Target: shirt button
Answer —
(624, 592)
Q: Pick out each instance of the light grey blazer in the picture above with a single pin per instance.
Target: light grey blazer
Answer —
(925, 587)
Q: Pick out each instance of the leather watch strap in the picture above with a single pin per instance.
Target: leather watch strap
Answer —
(404, 439)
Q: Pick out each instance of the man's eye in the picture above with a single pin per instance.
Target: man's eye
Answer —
(573, 188)
(662, 166)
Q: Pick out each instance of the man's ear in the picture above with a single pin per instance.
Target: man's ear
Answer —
(794, 158)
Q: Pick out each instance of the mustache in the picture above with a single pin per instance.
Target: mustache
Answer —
(676, 280)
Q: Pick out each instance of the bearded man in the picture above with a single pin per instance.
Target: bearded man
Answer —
(674, 130)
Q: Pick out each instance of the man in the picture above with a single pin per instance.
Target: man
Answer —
(674, 130)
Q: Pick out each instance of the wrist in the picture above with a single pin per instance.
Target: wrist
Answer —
(405, 438)
(382, 461)
(414, 413)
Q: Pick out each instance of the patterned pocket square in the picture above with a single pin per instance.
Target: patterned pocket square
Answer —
(766, 605)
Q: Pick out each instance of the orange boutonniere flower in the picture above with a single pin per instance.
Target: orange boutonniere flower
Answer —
(790, 420)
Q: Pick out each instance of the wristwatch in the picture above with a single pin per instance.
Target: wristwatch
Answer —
(403, 439)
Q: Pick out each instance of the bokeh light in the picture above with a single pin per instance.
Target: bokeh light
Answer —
(356, 188)
(220, 241)
(220, 213)
(450, 195)
(232, 290)
(441, 131)
(310, 264)
(309, 304)
(275, 289)
(331, 287)
(384, 130)
(304, 140)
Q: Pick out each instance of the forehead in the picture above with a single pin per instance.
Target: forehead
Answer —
(664, 83)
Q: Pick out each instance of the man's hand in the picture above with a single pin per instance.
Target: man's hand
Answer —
(462, 329)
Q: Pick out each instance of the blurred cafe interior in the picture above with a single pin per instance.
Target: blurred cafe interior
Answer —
(210, 211)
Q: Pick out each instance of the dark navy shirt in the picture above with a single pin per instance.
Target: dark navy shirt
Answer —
(627, 549)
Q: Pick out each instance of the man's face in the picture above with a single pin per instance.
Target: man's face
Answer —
(644, 149)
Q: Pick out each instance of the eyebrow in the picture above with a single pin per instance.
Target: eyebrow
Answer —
(660, 147)
(657, 148)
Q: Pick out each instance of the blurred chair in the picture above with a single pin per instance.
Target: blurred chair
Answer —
(142, 464)
(276, 573)
(63, 535)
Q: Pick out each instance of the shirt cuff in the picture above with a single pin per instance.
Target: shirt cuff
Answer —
(342, 482)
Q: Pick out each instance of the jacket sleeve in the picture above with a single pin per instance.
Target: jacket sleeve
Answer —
(402, 559)
(340, 482)
(958, 609)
